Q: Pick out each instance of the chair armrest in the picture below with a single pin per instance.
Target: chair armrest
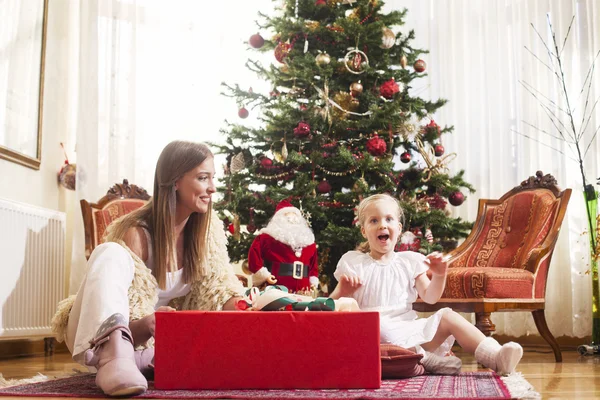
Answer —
(535, 257)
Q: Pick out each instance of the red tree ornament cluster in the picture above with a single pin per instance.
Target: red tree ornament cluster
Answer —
(302, 130)
(376, 146)
(389, 88)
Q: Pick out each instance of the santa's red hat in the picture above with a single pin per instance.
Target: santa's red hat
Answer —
(283, 204)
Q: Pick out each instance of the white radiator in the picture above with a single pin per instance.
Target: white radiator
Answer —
(32, 268)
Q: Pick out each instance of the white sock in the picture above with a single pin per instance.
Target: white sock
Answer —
(448, 365)
(502, 359)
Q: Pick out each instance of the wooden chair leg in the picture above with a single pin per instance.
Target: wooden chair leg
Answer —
(49, 344)
(540, 322)
(483, 322)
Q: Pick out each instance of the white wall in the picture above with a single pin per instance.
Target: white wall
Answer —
(39, 187)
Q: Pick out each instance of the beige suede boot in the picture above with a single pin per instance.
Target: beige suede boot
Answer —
(502, 359)
(112, 355)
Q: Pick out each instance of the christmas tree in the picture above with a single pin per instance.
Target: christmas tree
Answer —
(339, 124)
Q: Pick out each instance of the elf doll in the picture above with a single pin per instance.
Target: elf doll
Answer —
(285, 252)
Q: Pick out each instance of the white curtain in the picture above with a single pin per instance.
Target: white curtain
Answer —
(477, 58)
(150, 72)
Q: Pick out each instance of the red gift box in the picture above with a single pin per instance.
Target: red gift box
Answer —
(267, 350)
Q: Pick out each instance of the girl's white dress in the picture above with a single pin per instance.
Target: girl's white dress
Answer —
(389, 287)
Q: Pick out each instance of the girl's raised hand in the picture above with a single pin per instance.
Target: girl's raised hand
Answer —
(438, 263)
(349, 284)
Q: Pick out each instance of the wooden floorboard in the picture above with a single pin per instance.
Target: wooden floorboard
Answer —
(577, 377)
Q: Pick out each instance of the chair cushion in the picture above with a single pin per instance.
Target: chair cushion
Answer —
(113, 210)
(398, 362)
(489, 283)
(511, 230)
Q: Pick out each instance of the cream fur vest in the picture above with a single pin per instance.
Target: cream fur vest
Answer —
(209, 293)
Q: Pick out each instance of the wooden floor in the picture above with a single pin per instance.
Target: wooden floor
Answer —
(577, 377)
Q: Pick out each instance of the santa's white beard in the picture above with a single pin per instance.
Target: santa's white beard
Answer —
(291, 230)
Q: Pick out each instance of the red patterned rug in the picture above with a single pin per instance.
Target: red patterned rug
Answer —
(470, 385)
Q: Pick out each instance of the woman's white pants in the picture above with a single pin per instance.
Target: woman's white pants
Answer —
(102, 293)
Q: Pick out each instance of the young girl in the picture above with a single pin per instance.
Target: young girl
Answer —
(383, 280)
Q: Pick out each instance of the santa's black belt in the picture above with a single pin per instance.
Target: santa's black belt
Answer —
(296, 269)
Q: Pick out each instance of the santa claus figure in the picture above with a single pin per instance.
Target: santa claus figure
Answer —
(285, 251)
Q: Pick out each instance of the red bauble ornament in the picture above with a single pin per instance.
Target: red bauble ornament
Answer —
(256, 41)
(282, 50)
(405, 157)
(266, 162)
(376, 146)
(231, 229)
(389, 88)
(320, 2)
(251, 228)
(323, 187)
(302, 130)
(243, 113)
(456, 198)
(439, 150)
(420, 65)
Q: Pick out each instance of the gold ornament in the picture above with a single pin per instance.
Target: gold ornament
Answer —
(312, 25)
(388, 39)
(278, 157)
(236, 227)
(360, 186)
(354, 14)
(245, 268)
(284, 68)
(345, 101)
(322, 59)
(238, 163)
(356, 88)
(284, 151)
(403, 61)
(356, 61)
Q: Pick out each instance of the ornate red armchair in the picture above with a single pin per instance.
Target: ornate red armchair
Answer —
(120, 199)
(503, 264)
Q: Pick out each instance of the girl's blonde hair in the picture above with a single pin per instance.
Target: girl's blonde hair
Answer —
(362, 206)
(158, 215)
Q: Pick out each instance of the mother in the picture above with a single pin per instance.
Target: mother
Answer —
(172, 247)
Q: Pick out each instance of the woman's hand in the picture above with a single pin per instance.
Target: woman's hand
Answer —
(438, 264)
(143, 329)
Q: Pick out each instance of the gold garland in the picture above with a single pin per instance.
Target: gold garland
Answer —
(350, 171)
(276, 176)
(435, 165)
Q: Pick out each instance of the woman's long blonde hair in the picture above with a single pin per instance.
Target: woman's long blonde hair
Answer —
(362, 206)
(158, 215)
